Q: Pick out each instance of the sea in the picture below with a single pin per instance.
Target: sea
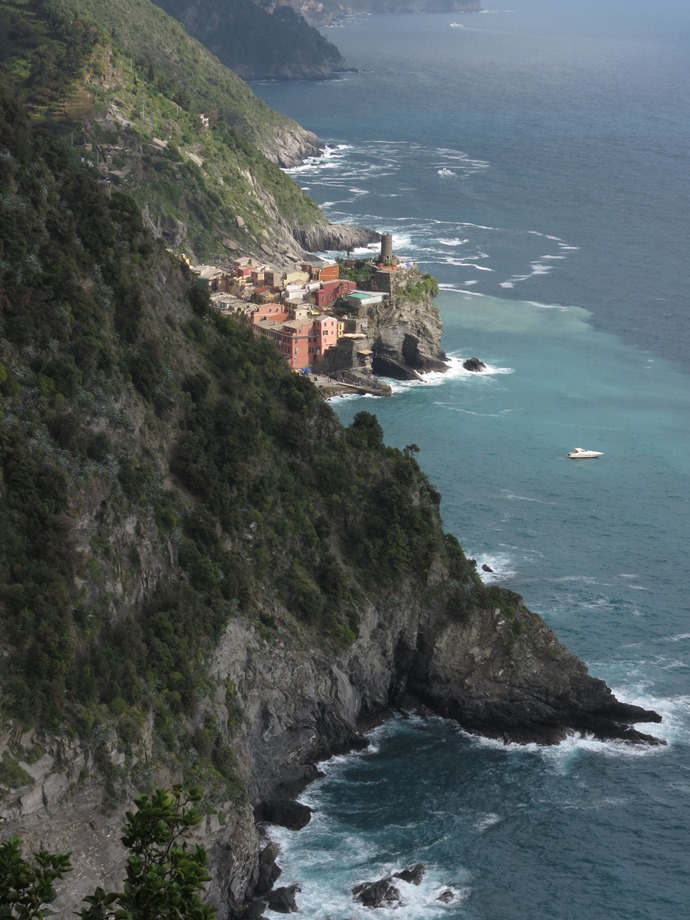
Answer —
(536, 160)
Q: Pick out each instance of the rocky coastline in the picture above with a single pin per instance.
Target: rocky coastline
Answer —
(500, 675)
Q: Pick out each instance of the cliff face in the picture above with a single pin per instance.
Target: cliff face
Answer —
(405, 330)
(258, 44)
(204, 577)
(500, 674)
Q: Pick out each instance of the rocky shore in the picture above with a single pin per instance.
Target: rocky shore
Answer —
(498, 673)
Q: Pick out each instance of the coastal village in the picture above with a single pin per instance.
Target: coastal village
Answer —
(317, 320)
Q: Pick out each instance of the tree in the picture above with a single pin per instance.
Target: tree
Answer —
(26, 885)
(164, 877)
(365, 430)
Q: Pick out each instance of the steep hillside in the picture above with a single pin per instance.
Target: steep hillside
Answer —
(156, 115)
(324, 12)
(258, 43)
(203, 575)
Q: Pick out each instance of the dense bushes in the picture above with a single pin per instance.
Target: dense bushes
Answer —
(162, 472)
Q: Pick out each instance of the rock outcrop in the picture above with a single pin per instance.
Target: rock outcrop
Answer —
(501, 674)
(291, 145)
(377, 894)
(405, 330)
(334, 237)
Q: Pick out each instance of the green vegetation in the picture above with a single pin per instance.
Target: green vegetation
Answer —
(125, 85)
(12, 774)
(165, 877)
(417, 288)
(27, 885)
(163, 472)
(361, 271)
(256, 44)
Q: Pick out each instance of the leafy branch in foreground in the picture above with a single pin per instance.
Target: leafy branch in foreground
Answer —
(26, 885)
(164, 879)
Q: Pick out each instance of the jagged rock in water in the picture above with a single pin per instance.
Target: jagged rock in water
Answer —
(474, 364)
(269, 871)
(292, 815)
(377, 894)
(283, 900)
(413, 874)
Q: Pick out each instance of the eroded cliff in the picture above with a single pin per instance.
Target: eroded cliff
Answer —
(204, 577)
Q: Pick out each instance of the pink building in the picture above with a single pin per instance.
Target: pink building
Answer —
(302, 342)
(331, 291)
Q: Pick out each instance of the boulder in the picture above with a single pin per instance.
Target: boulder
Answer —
(474, 364)
(269, 871)
(292, 815)
(413, 874)
(446, 896)
(377, 894)
(282, 900)
(486, 568)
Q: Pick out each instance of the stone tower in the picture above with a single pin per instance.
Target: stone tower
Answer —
(386, 247)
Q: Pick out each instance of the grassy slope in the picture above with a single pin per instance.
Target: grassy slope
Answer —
(123, 73)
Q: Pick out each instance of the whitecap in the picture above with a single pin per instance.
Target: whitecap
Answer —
(490, 820)
(510, 496)
(501, 564)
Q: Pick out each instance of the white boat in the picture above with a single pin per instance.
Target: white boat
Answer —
(579, 453)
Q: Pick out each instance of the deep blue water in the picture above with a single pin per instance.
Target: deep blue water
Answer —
(559, 234)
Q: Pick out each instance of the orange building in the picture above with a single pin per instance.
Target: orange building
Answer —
(322, 271)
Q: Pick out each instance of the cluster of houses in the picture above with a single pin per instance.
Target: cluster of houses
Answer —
(294, 309)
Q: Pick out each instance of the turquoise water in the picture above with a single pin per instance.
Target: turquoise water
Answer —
(559, 235)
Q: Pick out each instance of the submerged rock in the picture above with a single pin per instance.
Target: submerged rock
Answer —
(446, 896)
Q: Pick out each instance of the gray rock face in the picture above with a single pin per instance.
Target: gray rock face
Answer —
(522, 686)
(283, 900)
(269, 871)
(502, 674)
(413, 875)
(474, 364)
(292, 815)
(334, 237)
(405, 331)
(377, 894)
(291, 146)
